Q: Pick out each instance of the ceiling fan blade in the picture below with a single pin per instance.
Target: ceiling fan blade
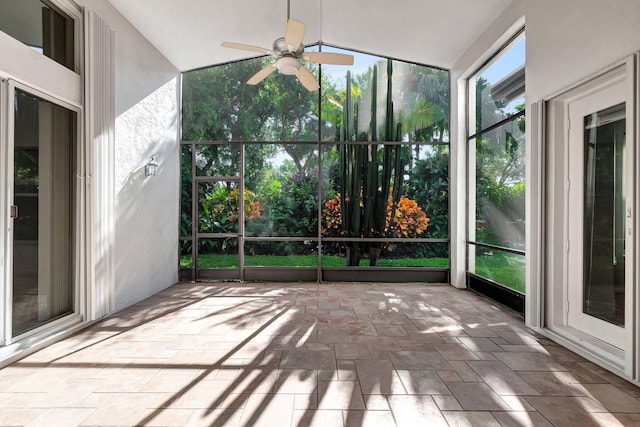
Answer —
(328, 58)
(307, 79)
(262, 74)
(294, 34)
(247, 47)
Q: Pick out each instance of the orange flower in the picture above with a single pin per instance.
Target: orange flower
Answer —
(409, 219)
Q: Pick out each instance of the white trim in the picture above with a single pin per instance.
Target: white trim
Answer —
(73, 11)
(471, 173)
(457, 189)
(613, 93)
(5, 258)
(45, 95)
(534, 228)
(46, 335)
(100, 161)
(556, 222)
(604, 70)
(636, 277)
(24, 65)
(10, 117)
(585, 350)
(69, 7)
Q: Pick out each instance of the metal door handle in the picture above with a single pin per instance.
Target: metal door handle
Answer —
(13, 212)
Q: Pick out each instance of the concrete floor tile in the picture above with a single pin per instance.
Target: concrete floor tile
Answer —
(368, 418)
(340, 395)
(529, 362)
(296, 381)
(352, 351)
(561, 411)
(332, 336)
(378, 377)
(422, 382)
(477, 397)
(612, 398)
(446, 402)
(479, 344)
(521, 419)
(61, 417)
(376, 402)
(318, 418)
(410, 411)
(501, 379)
(554, 383)
(419, 360)
(308, 359)
(455, 352)
(390, 330)
(361, 328)
(268, 410)
(20, 416)
(214, 417)
(294, 354)
(470, 419)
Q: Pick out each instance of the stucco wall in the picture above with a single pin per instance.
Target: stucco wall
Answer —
(569, 40)
(147, 123)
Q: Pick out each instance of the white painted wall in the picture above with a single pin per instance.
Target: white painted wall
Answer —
(567, 41)
(147, 123)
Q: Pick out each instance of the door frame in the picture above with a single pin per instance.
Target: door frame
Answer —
(7, 89)
(608, 96)
(5, 271)
(554, 304)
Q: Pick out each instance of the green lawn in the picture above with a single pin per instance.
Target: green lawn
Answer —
(506, 269)
(231, 261)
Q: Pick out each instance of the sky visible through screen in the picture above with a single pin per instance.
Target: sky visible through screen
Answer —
(501, 66)
(505, 63)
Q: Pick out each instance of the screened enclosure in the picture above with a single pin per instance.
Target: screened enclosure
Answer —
(496, 148)
(350, 182)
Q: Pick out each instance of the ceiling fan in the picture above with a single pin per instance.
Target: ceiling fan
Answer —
(288, 51)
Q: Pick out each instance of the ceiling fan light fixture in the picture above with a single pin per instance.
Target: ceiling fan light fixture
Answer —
(288, 65)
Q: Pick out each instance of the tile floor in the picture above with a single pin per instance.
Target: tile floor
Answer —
(225, 354)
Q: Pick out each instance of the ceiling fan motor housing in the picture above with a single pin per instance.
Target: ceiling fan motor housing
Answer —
(281, 48)
(287, 62)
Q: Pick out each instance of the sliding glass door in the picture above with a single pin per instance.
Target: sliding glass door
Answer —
(40, 145)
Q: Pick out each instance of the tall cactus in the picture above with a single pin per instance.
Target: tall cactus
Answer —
(365, 190)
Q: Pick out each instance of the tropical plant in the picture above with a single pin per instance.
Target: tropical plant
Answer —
(289, 208)
(405, 219)
(220, 210)
(428, 184)
(369, 175)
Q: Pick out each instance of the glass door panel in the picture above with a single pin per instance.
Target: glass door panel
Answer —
(604, 215)
(599, 197)
(43, 140)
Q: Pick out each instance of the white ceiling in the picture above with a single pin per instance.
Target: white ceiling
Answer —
(433, 32)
